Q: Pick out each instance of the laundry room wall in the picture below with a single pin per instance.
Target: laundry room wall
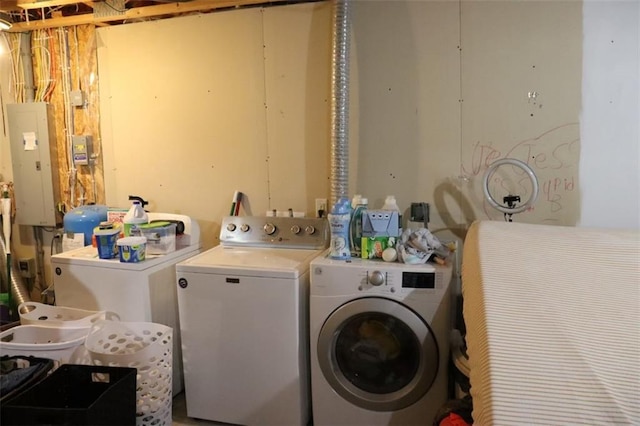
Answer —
(436, 94)
(196, 107)
(450, 87)
(610, 120)
(204, 105)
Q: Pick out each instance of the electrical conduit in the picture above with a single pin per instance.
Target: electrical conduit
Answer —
(27, 66)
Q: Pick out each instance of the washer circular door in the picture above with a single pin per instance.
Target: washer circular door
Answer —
(378, 354)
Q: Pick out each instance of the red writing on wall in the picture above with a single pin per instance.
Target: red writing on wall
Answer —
(552, 155)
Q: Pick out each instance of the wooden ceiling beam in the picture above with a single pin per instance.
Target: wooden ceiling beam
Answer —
(39, 4)
(9, 5)
(134, 13)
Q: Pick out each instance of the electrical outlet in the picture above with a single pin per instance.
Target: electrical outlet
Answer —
(27, 267)
(321, 204)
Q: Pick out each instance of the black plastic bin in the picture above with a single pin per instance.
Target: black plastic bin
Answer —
(76, 395)
(18, 373)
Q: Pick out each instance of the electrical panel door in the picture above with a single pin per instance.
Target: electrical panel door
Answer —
(35, 164)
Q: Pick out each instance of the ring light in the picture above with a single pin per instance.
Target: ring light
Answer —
(517, 163)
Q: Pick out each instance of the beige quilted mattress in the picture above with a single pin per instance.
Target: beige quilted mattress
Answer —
(553, 324)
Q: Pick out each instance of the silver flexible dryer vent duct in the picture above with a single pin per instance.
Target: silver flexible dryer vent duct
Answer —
(18, 289)
(340, 101)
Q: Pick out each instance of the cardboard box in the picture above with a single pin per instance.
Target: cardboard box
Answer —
(116, 215)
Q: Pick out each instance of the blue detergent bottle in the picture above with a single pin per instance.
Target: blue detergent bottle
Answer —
(359, 204)
(339, 220)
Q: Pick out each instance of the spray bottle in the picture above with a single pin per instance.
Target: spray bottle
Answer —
(339, 220)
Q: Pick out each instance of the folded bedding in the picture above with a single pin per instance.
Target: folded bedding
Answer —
(552, 317)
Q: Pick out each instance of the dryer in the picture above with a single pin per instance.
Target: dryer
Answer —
(244, 320)
(379, 341)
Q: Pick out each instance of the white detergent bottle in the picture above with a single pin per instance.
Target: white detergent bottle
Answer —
(339, 220)
(359, 204)
(135, 216)
(391, 204)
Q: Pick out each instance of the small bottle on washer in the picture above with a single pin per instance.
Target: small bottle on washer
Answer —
(339, 220)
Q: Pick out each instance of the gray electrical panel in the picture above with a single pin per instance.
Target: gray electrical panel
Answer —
(35, 164)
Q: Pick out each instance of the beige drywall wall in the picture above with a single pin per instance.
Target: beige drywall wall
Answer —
(521, 98)
(444, 91)
(406, 63)
(194, 108)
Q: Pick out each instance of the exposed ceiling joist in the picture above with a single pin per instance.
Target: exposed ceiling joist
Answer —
(38, 4)
(160, 9)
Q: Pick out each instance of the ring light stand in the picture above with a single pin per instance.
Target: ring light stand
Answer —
(510, 200)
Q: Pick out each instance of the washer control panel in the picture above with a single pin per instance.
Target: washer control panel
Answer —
(281, 232)
(392, 280)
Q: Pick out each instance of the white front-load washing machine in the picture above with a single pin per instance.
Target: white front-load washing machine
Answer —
(243, 308)
(379, 341)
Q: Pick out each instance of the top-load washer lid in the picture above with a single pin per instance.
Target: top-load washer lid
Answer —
(88, 256)
(251, 261)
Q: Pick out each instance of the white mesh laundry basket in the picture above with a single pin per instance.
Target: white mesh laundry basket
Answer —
(34, 313)
(148, 348)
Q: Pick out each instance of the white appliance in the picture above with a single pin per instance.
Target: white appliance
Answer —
(379, 341)
(244, 320)
(137, 292)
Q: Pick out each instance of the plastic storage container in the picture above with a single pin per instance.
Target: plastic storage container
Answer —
(132, 249)
(135, 216)
(161, 236)
(20, 372)
(34, 313)
(107, 235)
(83, 219)
(77, 395)
(57, 343)
(339, 220)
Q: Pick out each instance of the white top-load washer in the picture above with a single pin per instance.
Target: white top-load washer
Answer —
(379, 341)
(136, 292)
(244, 319)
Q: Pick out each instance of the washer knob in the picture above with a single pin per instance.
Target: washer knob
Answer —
(231, 227)
(269, 228)
(295, 229)
(376, 278)
(244, 227)
(310, 230)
